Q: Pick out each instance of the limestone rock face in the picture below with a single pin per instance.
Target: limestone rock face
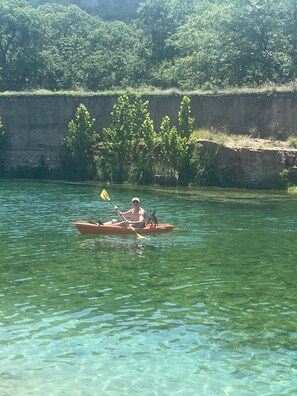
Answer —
(251, 167)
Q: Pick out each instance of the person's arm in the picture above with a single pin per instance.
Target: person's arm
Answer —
(125, 214)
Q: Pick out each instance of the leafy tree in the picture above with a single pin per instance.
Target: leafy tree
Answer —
(66, 31)
(230, 42)
(154, 19)
(117, 142)
(185, 129)
(143, 144)
(197, 45)
(21, 41)
(2, 145)
(131, 146)
(289, 19)
(2, 132)
(115, 57)
(176, 144)
(170, 148)
(159, 19)
(78, 157)
(123, 10)
(185, 121)
(185, 44)
(257, 49)
(128, 145)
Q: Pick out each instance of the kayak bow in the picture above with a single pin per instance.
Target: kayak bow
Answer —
(87, 227)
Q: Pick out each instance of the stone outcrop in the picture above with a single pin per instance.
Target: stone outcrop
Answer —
(254, 166)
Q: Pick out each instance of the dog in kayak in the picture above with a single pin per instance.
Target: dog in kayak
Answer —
(152, 220)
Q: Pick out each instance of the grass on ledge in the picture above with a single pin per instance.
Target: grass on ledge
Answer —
(223, 138)
(268, 88)
(292, 189)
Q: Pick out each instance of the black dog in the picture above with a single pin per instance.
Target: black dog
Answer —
(152, 219)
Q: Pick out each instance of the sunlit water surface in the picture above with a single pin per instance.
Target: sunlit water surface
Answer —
(208, 309)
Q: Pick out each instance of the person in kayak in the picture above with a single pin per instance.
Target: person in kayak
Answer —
(136, 214)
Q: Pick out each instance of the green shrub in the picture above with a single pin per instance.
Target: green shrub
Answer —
(292, 141)
(2, 135)
(78, 159)
(283, 181)
(128, 146)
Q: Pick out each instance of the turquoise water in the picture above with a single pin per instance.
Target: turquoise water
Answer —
(208, 309)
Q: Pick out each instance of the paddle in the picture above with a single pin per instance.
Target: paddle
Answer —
(105, 196)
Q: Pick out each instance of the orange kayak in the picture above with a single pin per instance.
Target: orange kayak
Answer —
(87, 227)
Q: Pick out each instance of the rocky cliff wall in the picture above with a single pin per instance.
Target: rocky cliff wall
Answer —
(37, 124)
(40, 121)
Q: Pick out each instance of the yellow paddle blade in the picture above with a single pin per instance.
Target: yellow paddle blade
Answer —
(139, 236)
(104, 195)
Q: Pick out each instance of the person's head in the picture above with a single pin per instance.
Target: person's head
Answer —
(135, 201)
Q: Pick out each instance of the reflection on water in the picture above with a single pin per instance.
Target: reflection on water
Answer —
(106, 244)
(209, 309)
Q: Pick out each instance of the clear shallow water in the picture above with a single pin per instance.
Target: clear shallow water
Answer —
(209, 309)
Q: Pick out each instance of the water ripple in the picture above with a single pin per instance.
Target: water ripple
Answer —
(209, 308)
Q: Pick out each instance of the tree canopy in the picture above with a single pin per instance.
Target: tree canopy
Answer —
(184, 44)
(123, 10)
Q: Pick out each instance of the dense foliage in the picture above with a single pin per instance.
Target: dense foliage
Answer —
(130, 150)
(129, 144)
(186, 44)
(123, 10)
(2, 137)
